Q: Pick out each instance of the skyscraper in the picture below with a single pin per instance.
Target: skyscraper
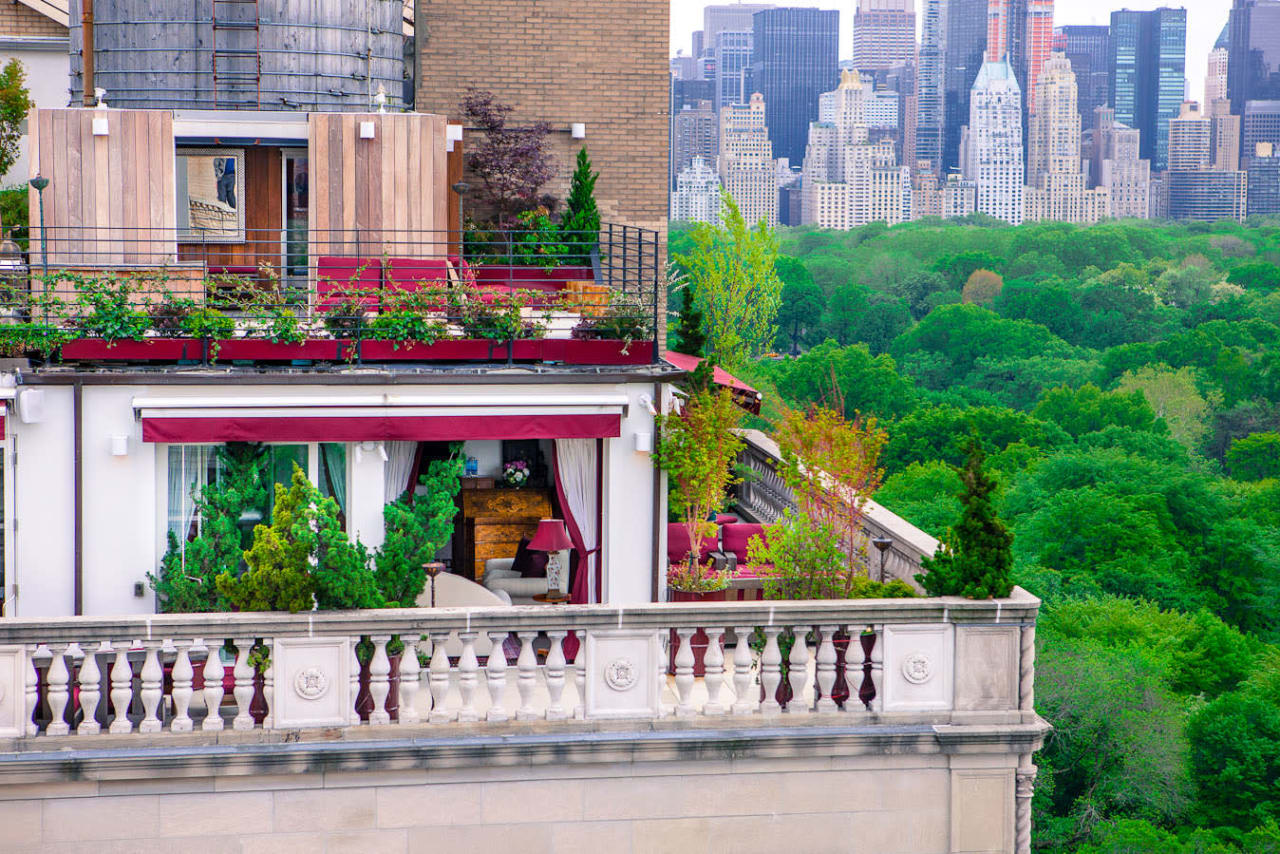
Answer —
(1189, 136)
(795, 58)
(1126, 176)
(733, 18)
(1224, 136)
(993, 142)
(1056, 186)
(1253, 61)
(747, 168)
(965, 43)
(1148, 68)
(1087, 48)
(695, 132)
(697, 194)
(1215, 78)
(930, 114)
(1021, 31)
(1264, 180)
(733, 68)
(884, 33)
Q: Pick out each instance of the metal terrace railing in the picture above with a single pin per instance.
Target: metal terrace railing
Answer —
(299, 284)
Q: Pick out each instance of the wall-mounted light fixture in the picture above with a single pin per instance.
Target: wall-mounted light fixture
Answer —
(31, 406)
(119, 446)
(452, 134)
(366, 130)
(578, 130)
(100, 126)
(644, 443)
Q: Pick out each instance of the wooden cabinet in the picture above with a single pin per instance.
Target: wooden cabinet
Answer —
(492, 521)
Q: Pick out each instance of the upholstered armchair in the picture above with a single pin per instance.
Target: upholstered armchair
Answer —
(499, 577)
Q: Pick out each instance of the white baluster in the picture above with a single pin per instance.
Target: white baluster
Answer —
(439, 674)
(826, 668)
(496, 677)
(57, 691)
(714, 679)
(268, 686)
(770, 671)
(684, 673)
(243, 691)
(745, 701)
(410, 681)
(527, 665)
(183, 673)
(30, 695)
(152, 686)
(353, 713)
(580, 679)
(555, 677)
(212, 687)
(468, 677)
(90, 689)
(798, 671)
(121, 688)
(379, 684)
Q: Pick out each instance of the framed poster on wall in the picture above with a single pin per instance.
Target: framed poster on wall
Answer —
(210, 194)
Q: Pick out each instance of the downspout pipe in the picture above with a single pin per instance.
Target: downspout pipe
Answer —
(86, 54)
(77, 417)
(655, 583)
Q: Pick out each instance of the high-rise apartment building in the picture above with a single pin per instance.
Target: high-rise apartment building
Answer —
(795, 59)
(884, 33)
(1215, 78)
(1087, 46)
(1260, 123)
(1264, 181)
(1148, 70)
(1056, 185)
(697, 194)
(1207, 196)
(733, 68)
(748, 171)
(1189, 135)
(848, 179)
(964, 46)
(1122, 172)
(695, 134)
(901, 79)
(728, 17)
(993, 142)
(1253, 58)
(1021, 32)
(930, 77)
(1224, 135)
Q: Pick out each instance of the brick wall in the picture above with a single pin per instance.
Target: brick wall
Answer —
(19, 20)
(562, 61)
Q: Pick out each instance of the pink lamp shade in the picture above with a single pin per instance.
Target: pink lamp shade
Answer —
(551, 537)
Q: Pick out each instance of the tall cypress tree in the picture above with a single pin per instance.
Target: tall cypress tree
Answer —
(690, 339)
(581, 223)
(977, 562)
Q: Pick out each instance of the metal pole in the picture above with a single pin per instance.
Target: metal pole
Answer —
(86, 53)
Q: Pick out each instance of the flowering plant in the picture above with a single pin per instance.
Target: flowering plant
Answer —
(696, 579)
(515, 473)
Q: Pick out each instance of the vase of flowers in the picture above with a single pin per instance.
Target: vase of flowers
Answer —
(515, 473)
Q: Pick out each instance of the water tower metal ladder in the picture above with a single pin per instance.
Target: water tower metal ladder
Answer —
(237, 56)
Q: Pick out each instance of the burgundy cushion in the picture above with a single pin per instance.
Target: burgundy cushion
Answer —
(737, 535)
(336, 275)
(725, 519)
(678, 544)
(529, 563)
(411, 274)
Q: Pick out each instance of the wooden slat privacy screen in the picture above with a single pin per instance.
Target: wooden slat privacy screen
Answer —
(110, 199)
(377, 197)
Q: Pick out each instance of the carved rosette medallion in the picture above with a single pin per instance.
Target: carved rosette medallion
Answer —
(917, 668)
(620, 674)
(311, 683)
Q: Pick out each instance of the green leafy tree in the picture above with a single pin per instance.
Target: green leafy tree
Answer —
(960, 266)
(690, 338)
(925, 494)
(1255, 457)
(1088, 409)
(15, 103)
(801, 306)
(735, 285)
(581, 223)
(1174, 396)
(977, 559)
(851, 376)
(187, 579)
(415, 530)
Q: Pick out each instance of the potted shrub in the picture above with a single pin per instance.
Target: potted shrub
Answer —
(691, 582)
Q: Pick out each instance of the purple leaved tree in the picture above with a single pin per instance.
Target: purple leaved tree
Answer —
(511, 162)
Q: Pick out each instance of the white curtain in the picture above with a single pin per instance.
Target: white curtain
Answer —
(576, 465)
(188, 473)
(400, 456)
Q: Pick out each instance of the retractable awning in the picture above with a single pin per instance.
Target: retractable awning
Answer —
(379, 417)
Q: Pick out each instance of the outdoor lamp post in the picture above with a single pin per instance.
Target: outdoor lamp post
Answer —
(882, 545)
(553, 539)
(40, 182)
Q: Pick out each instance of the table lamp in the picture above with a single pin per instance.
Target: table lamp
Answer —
(553, 539)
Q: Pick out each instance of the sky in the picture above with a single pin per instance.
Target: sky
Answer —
(1205, 20)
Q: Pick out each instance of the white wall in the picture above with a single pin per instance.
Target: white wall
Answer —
(48, 66)
(124, 497)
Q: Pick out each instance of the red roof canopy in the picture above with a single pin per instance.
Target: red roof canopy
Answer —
(745, 396)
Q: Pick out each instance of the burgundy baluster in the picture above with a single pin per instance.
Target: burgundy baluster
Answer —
(840, 690)
(867, 692)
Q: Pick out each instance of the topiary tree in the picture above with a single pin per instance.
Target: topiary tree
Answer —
(581, 223)
(416, 529)
(976, 561)
(187, 579)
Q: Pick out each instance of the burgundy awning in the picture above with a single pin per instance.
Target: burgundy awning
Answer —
(366, 428)
(744, 395)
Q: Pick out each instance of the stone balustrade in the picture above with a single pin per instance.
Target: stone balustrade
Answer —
(941, 661)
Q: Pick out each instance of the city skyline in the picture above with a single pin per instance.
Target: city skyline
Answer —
(1205, 20)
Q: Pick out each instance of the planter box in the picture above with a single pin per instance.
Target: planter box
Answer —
(455, 350)
(599, 352)
(159, 349)
(699, 642)
(258, 350)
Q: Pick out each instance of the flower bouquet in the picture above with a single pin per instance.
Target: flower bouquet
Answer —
(515, 473)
